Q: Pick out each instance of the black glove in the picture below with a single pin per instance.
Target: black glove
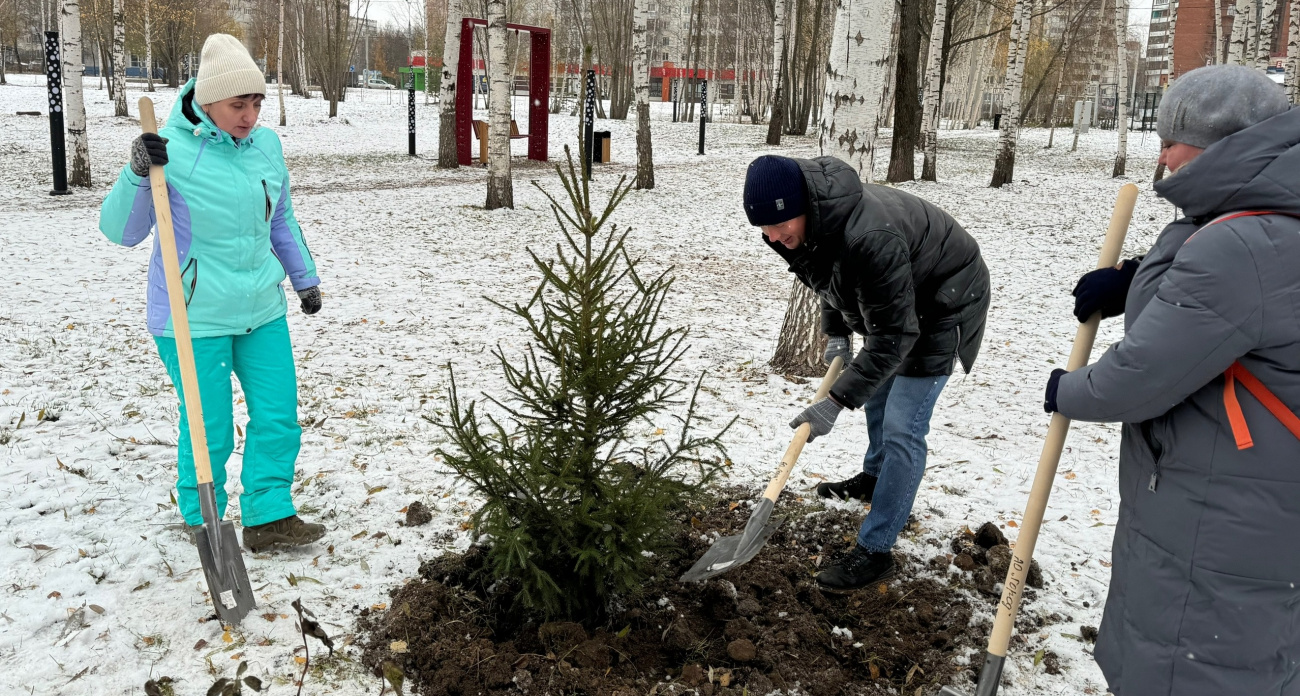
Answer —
(1053, 383)
(310, 299)
(836, 347)
(820, 418)
(148, 149)
(1104, 290)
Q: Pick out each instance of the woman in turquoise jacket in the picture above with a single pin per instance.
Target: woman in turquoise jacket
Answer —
(237, 239)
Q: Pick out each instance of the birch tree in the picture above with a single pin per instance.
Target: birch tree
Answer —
(778, 74)
(1004, 166)
(119, 60)
(447, 155)
(1218, 32)
(148, 48)
(1240, 31)
(855, 82)
(645, 166)
(1267, 21)
(74, 107)
(500, 191)
(930, 102)
(279, 66)
(1293, 53)
(1121, 93)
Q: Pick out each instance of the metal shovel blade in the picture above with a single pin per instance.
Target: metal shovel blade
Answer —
(223, 566)
(990, 678)
(730, 552)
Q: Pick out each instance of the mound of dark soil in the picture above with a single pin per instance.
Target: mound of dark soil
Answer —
(762, 627)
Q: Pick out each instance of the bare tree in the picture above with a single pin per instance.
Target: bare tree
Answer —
(779, 57)
(1268, 20)
(119, 60)
(907, 107)
(500, 188)
(1004, 166)
(1218, 32)
(448, 158)
(930, 104)
(1293, 53)
(645, 165)
(148, 48)
(279, 66)
(1122, 96)
(1237, 52)
(330, 46)
(74, 108)
(855, 82)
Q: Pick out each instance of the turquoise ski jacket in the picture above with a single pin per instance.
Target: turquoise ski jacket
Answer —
(236, 234)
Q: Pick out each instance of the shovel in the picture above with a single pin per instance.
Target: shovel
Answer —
(223, 564)
(1023, 552)
(730, 552)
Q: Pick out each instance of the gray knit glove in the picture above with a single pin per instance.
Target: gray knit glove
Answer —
(820, 417)
(147, 149)
(310, 299)
(836, 347)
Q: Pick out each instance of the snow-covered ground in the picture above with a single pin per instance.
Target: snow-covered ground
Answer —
(99, 587)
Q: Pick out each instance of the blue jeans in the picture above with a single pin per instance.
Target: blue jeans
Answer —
(898, 419)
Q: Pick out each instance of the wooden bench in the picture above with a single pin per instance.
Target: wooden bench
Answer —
(481, 132)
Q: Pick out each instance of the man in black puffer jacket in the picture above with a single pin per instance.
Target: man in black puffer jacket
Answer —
(903, 274)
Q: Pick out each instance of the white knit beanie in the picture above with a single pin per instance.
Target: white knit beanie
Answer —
(226, 70)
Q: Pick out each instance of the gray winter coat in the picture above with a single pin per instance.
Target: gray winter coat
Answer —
(1203, 596)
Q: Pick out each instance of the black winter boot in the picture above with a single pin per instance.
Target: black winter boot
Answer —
(857, 570)
(860, 487)
(289, 531)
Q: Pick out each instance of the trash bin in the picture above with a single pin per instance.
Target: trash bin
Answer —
(997, 121)
(601, 147)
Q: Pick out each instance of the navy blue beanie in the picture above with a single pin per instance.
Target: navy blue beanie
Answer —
(774, 191)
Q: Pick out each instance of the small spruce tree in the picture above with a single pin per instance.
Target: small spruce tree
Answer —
(573, 507)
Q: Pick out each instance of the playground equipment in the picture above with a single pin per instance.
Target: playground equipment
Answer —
(539, 93)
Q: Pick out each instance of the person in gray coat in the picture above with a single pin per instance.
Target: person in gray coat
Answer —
(1204, 595)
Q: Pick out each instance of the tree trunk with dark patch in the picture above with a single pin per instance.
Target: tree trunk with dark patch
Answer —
(907, 106)
(801, 346)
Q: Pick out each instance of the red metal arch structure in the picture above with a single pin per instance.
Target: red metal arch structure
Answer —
(539, 89)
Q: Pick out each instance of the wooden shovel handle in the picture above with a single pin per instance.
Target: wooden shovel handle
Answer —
(1055, 442)
(176, 298)
(801, 435)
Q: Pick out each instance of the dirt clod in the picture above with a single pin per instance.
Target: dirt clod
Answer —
(417, 514)
(1089, 633)
(1051, 662)
(742, 650)
(988, 536)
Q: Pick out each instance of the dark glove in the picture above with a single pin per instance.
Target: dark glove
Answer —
(310, 299)
(820, 417)
(1053, 383)
(1104, 290)
(836, 347)
(148, 149)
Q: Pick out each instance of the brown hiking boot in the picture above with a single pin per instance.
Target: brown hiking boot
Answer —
(289, 531)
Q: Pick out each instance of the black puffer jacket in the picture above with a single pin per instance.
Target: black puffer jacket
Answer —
(893, 268)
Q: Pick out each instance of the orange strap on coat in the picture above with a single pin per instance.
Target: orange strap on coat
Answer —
(1237, 419)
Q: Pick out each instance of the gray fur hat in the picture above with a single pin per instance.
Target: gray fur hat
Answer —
(1208, 104)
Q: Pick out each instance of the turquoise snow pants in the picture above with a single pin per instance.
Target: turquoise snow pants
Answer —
(263, 361)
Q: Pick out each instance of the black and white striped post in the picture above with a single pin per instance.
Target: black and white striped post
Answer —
(54, 85)
(410, 112)
(704, 110)
(672, 94)
(589, 124)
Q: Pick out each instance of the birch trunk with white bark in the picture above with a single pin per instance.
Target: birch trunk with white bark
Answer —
(930, 102)
(279, 66)
(1237, 42)
(119, 60)
(1293, 53)
(1267, 21)
(778, 74)
(856, 74)
(447, 155)
(1218, 32)
(645, 165)
(74, 107)
(1004, 166)
(1121, 93)
(500, 189)
(148, 48)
